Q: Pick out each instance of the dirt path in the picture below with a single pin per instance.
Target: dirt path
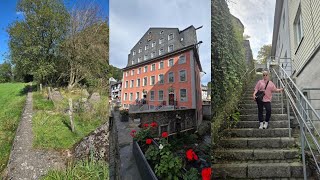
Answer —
(26, 162)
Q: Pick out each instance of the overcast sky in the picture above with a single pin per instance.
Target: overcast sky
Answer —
(257, 18)
(129, 20)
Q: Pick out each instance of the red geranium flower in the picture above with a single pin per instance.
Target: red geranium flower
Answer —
(206, 173)
(148, 141)
(164, 134)
(146, 125)
(153, 124)
(133, 133)
(191, 155)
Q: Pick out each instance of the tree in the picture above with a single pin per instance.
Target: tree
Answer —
(34, 41)
(264, 53)
(6, 72)
(86, 47)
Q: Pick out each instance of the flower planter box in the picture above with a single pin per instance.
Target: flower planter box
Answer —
(124, 118)
(145, 169)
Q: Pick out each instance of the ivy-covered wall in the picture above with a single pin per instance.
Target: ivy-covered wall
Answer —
(227, 65)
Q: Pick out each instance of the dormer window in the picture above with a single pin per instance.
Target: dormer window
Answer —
(149, 32)
(140, 42)
(161, 32)
(145, 57)
(134, 53)
(132, 61)
(139, 59)
(153, 44)
(146, 47)
(170, 48)
(140, 50)
(161, 51)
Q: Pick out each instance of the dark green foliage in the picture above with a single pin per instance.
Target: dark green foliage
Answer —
(6, 72)
(115, 72)
(228, 64)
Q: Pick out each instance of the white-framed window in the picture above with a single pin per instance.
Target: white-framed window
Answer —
(161, 32)
(132, 83)
(139, 59)
(140, 50)
(153, 67)
(145, 57)
(151, 95)
(145, 69)
(127, 74)
(170, 62)
(145, 81)
(125, 96)
(182, 59)
(183, 95)
(160, 95)
(298, 27)
(140, 42)
(161, 65)
(138, 82)
(153, 54)
(171, 77)
(161, 78)
(170, 37)
(183, 75)
(170, 48)
(134, 53)
(132, 72)
(161, 40)
(146, 47)
(153, 44)
(138, 95)
(152, 80)
(139, 71)
(149, 32)
(131, 97)
(126, 84)
(161, 51)
(132, 61)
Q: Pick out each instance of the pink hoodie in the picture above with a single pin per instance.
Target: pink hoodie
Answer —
(261, 84)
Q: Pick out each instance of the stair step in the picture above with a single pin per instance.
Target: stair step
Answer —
(266, 142)
(254, 105)
(254, 117)
(258, 170)
(255, 132)
(255, 111)
(256, 154)
(251, 101)
(255, 124)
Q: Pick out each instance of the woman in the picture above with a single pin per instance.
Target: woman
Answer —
(268, 87)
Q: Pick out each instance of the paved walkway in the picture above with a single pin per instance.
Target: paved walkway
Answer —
(128, 169)
(26, 163)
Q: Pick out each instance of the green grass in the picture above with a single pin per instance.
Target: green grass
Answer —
(82, 170)
(12, 101)
(51, 125)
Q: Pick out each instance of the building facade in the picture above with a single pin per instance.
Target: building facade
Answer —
(296, 38)
(163, 69)
(116, 88)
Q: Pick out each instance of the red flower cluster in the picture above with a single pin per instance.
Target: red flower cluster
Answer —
(133, 133)
(164, 134)
(206, 173)
(146, 125)
(191, 155)
(153, 124)
(148, 141)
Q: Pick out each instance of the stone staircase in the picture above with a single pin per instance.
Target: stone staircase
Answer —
(246, 152)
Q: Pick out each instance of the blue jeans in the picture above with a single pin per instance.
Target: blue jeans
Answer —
(267, 105)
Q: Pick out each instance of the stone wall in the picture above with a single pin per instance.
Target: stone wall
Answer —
(170, 120)
(206, 111)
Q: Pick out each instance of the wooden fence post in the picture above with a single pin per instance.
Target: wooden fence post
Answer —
(70, 114)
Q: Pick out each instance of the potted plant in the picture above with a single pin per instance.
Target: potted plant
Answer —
(124, 115)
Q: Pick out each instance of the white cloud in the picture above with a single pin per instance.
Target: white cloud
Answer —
(129, 20)
(257, 18)
(19, 13)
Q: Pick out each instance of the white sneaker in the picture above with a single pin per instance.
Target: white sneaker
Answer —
(265, 126)
(261, 125)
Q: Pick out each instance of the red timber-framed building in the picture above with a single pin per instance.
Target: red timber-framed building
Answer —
(163, 72)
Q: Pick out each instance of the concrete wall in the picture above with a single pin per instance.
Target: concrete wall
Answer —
(206, 110)
(163, 118)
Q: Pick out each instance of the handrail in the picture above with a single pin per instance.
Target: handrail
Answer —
(306, 128)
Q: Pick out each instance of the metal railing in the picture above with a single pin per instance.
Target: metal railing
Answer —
(303, 111)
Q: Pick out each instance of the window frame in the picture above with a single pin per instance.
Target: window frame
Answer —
(186, 98)
(159, 95)
(160, 79)
(185, 59)
(183, 70)
(169, 77)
